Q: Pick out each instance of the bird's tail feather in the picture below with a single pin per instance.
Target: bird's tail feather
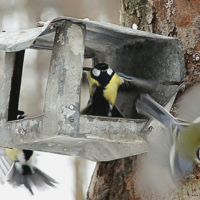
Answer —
(91, 110)
(38, 179)
(18, 179)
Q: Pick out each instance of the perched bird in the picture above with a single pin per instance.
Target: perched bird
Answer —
(17, 168)
(174, 151)
(103, 87)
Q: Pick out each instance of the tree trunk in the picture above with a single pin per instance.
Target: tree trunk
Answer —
(113, 180)
(79, 166)
(177, 18)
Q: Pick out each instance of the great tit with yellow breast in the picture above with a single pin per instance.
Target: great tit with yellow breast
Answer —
(103, 87)
(179, 146)
(17, 168)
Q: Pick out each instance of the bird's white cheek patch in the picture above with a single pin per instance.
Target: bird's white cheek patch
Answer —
(96, 72)
(109, 71)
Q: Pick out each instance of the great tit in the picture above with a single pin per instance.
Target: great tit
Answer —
(175, 150)
(17, 168)
(103, 87)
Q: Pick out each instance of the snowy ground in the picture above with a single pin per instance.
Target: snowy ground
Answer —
(60, 168)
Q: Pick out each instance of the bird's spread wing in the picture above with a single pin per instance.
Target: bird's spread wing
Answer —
(154, 174)
(6, 169)
(41, 179)
(131, 81)
(189, 105)
(179, 166)
(149, 107)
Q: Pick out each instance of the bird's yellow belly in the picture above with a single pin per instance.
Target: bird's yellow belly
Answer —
(110, 93)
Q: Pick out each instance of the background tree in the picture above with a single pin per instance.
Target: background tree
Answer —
(177, 18)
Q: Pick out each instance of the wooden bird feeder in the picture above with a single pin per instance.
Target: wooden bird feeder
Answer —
(61, 128)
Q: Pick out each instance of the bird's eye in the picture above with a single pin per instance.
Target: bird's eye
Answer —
(198, 154)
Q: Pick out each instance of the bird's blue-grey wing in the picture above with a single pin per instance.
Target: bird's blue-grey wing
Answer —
(132, 81)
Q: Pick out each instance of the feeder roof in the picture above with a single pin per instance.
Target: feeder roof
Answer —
(99, 36)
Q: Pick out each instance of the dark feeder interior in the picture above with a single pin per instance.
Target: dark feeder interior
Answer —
(132, 52)
(139, 54)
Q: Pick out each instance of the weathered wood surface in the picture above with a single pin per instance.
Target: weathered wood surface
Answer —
(180, 19)
(61, 126)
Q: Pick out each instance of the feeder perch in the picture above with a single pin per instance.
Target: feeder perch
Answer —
(61, 128)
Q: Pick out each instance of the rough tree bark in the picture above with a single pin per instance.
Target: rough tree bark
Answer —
(177, 18)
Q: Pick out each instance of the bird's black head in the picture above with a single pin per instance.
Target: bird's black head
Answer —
(101, 66)
(102, 73)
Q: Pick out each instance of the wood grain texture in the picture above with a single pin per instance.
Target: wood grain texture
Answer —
(180, 19)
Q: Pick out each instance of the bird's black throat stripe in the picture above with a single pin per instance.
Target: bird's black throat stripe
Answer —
(100, 103)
